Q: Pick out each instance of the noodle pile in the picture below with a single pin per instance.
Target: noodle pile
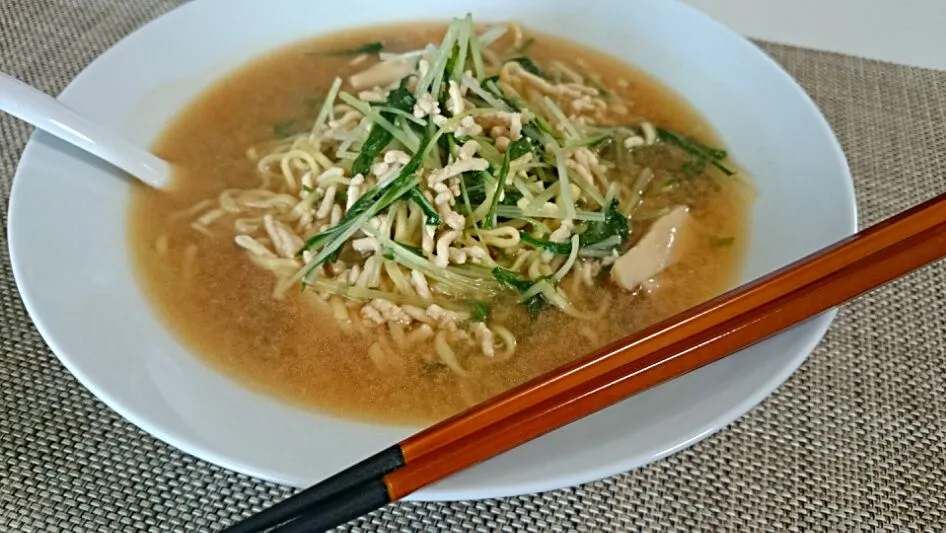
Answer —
(437, 182)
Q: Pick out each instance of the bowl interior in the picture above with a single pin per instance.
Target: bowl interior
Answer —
(73, 267)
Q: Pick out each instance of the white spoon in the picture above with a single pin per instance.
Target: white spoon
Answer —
(50, 115)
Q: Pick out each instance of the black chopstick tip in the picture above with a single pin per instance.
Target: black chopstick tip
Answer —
(346, 506)
(371, 469)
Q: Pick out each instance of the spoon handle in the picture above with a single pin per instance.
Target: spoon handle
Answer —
(50, 115)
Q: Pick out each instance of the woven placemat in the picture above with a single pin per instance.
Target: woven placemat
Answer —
(856, 439)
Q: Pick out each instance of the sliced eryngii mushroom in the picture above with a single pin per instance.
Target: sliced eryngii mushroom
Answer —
(661, 247)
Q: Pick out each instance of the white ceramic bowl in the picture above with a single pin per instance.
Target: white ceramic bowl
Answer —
(68, 239)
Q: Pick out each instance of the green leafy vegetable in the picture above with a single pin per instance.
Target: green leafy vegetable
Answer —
(473, 190)
(560, 248)
(476, 185)
(535, 305)
(315, 240)
(448, 143)
(511, 280)
(416, 250)
(492, 84)
(388, 253)
(721, 242)
(377, 141)
(529, 66)
(401, 98)
(355, 220)
(285, 128)
(467, 207)
(368, 205)
(429, 211)
(367, 48)
(452, 60)
(490, 220)
(519, 148)
(532, 132)
(615, 225)
(479, 311)
(712, 156)
(514, 151)
(511, 198)
(332, 257)
(379, 138)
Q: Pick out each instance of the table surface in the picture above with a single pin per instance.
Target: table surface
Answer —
(856, 439)
(910, 32)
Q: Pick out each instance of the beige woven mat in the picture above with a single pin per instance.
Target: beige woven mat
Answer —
(854, 440)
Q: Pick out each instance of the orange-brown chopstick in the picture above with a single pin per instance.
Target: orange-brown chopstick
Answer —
(681, 344)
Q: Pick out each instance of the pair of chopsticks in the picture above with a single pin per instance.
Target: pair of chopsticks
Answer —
(667, 350)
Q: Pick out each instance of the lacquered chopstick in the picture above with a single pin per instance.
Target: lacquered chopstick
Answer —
(546, 389)
(371, 469)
